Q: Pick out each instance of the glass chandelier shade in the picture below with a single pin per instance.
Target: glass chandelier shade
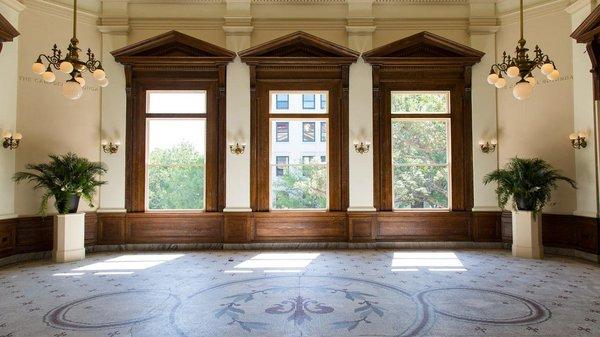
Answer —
(71, 65)
(522, 66)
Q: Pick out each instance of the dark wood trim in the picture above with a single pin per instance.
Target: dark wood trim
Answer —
(298, 48)
(563, 231)
(7, 31)
(588, 32)
(299, 61)
(174, 61)
(423, 61)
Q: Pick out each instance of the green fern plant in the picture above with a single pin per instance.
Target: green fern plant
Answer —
(529, 182)
(63, 177)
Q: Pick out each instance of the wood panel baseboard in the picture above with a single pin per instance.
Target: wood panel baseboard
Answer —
(34, 234)
(562, 231)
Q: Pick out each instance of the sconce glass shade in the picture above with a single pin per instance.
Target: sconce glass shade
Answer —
(573, 136)
(80, 80)
(38, 68)
(547, 68)
(512, 71)
(66, 67)
(103, 82)
(17, 136)
(531, 80)
(494, 141)
(553, 76)
(500, 83)
(522, 90)
(6, 134)
(104, 142)
(48, 76)
(99, 74)
(72, 90)
(492, 78)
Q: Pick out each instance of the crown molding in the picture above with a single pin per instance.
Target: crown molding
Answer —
(306, 24)
(176, 23)
(575, 6)
(305, 2)
(13, 4)
(114, 30)
(423, 24)
(534, 11)
(62, 11)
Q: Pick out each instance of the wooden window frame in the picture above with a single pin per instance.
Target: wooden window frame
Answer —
(261, 137)
(299, 62)
(139, 141)
(174, 61)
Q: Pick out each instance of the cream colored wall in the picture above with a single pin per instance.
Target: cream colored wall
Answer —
(9, 56)
(49, 122)
(583, 111)
(540, 126)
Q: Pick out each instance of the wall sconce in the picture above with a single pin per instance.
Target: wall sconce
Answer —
(11, 140)
(362, 147)
(578, 140)
(110, 147)
(488, 146)
(237, 148)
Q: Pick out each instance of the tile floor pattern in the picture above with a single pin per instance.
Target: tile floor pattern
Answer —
(312, 293)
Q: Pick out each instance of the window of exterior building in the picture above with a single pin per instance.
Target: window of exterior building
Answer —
(283, 132)
(298, 181)
(175, 150)
(282, 163)
(420, 151)
(308, 132)
(323, 101)
(308, 101)
(282, 101)
(323, 131)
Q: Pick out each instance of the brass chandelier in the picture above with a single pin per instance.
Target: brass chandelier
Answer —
(522, 66)
(71, 65)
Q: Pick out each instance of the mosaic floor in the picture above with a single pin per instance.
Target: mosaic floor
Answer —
(312, 293)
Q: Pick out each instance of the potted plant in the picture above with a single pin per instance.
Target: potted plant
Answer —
(529, 182)
(67, 178)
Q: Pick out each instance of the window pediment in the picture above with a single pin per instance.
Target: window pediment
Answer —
(173, 47)
(423, 47)
(299, 47)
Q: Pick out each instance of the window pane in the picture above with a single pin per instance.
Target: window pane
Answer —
(419, 141)
(300, 180)
(176, 102)
(308, 101)
(175, 164)
(323, 131)
(298, 102)
(283, 132)
(420, 160)
(415, 102)
(282, 101)
(308, 131)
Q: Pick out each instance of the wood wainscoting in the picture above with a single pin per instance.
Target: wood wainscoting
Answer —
(562, 231)
(35, 234)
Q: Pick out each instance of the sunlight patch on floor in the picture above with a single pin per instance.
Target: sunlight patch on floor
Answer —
(276, 263)
(126, 264)
(432, 261)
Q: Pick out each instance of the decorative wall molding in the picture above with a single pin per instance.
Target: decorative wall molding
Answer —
(421, 23)
(310, 2)
(13, 4)
(532, 12)
(176, 23)
(62, 11)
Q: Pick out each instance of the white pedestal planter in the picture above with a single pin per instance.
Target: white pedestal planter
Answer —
(527, 235)
(69, 237)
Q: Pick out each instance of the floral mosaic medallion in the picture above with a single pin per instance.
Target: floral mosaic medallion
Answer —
(306, 306)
